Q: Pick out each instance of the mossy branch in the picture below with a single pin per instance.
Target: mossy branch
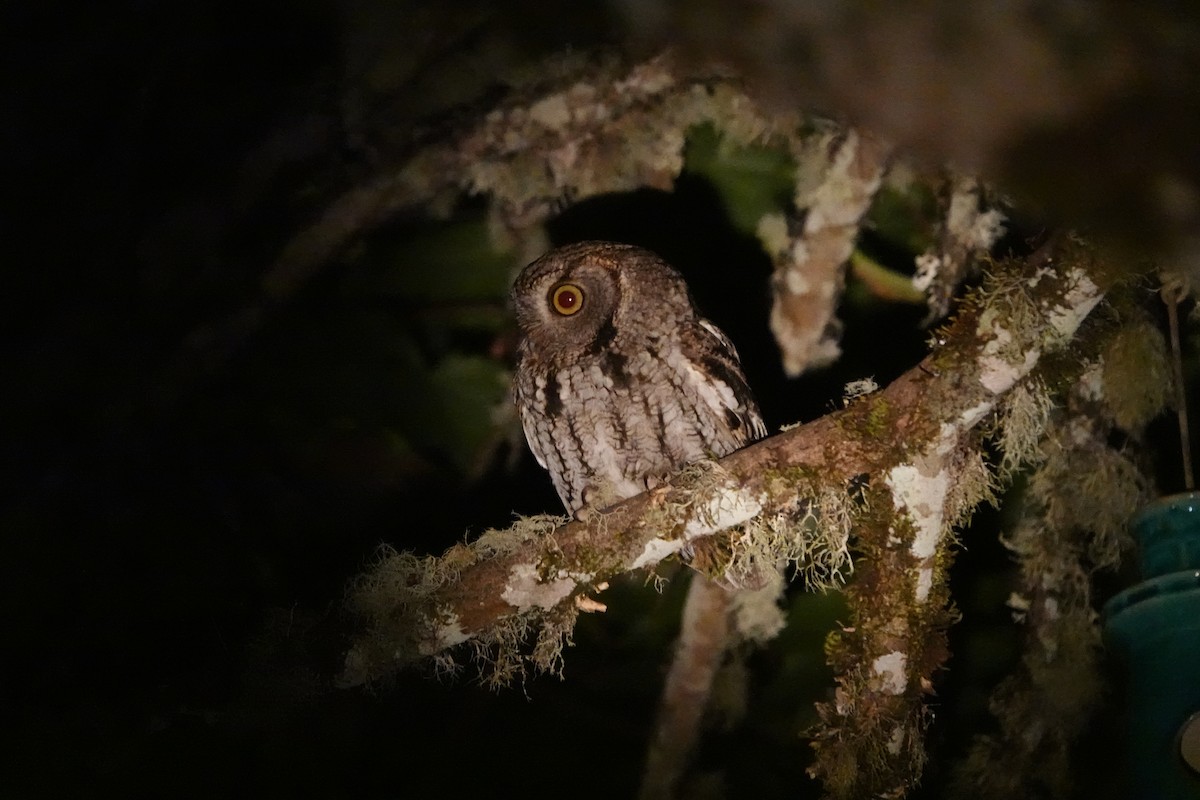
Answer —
(1071, 521)
(904, 441)
(811, 254)
(584, 126)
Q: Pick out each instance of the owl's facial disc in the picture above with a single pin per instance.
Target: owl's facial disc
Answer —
(569, 302)
(574, 306)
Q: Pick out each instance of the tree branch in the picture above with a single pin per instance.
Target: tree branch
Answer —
(704, 638)
(898, 468)
(585, 127)
(811, 253)
(427, 605)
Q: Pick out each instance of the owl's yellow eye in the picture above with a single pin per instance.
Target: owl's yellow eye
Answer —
(566, 298)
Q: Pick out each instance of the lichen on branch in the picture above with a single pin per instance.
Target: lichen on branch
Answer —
(1070, 524)
(909, 460)
(811, 250)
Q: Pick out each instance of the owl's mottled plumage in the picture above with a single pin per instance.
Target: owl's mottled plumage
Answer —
(623, 383)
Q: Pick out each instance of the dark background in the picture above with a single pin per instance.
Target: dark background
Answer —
(178, 532)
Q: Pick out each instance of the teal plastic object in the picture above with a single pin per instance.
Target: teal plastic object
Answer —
(1155, 626)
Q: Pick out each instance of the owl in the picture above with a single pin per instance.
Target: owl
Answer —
(619, 382)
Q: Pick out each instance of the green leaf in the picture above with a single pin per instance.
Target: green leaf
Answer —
(906, 215)
(446, 263)
(751, 180)
(464, 392)
(882, 282)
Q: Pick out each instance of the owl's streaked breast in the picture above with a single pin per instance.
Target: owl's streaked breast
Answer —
(649, 388)
(608, 432)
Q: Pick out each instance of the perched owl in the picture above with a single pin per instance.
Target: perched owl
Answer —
(619, 381)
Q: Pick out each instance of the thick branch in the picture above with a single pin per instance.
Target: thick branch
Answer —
(597, 127)
(811, 255)
(886, 438)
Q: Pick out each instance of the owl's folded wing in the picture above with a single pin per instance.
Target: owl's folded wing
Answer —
(724, 388)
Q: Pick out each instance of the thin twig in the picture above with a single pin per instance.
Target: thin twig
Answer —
(703, 639)
(1171, 295)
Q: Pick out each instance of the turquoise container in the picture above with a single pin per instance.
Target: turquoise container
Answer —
(1154, 626)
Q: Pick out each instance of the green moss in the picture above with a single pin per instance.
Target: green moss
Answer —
(879, 417)
(388, 595)
(554, 634)
(861, 418)
(1106, 268)
(1021, 425)
(1137, 377)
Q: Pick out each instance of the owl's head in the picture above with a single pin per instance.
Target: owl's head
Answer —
(575, 299)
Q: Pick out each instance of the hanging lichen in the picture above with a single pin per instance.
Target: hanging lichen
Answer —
(1074, 510)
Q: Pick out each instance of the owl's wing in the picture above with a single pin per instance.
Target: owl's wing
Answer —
(725, 389)
(723, 341)
(532, 438)
(528, 425)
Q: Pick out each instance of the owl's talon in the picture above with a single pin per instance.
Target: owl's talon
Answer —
(586, 513)
(589, 508)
